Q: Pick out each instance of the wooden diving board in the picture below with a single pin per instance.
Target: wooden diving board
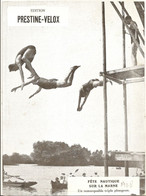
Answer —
(126, 75)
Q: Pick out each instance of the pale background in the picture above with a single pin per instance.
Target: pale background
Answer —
(52, 114)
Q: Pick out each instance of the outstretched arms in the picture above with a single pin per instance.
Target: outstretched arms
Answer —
(36, 92)
(25, 84)
(85, 96)
(79, 101)
(80, 107)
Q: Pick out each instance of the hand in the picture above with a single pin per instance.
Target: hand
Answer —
(31, 96)
(111, 82)
(22, 85)
(79, 109)
(14, 89)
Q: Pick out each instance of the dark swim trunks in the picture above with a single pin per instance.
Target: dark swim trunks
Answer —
(88, 87)
(46, 84)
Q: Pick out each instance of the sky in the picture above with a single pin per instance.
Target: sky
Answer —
(52, 115)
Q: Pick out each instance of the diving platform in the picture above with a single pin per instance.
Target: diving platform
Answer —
(126, 75)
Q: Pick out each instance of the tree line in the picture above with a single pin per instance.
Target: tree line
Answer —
(16, 158)
(61, 154)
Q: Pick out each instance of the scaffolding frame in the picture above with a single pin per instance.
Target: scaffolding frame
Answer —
(122, 76)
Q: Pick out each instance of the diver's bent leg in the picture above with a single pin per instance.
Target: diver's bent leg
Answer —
(68, 80)
(29, 67)
(134, 54)
(71, 72)
(71, 76)
(31, 76)
(64, 83)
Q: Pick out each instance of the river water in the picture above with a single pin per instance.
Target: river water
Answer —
(44, 174)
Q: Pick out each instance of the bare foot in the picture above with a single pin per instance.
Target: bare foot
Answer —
(75, 67)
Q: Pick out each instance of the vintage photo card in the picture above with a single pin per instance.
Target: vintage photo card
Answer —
(73, 102)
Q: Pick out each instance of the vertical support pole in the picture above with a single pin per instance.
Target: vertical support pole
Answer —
(125, 97)
(123, 33)
(105, 94)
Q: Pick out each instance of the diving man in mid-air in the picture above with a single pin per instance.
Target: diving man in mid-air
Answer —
(24, 56)
(86, 88)
(51, 83)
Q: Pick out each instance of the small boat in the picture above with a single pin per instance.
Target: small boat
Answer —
(19, 184)
(15, 181)
(58, 185)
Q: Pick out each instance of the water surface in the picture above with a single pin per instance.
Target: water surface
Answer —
(44, 174)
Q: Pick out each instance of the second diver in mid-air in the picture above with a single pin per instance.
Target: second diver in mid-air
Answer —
(86, 88)
(50, 83)
(24, 56)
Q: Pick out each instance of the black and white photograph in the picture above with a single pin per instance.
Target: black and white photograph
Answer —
(72, 97)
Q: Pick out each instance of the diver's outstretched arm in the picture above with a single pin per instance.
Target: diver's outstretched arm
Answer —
(25, 84)
(85, 99)
(79, 101)
(36, 92)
